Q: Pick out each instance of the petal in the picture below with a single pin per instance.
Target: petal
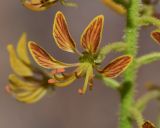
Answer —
(117, 66)
(17, 83)
(22, 49)
(148, 124)
(115, 6)
(17, 65)
(88, 79)
(61, 34)
(44, 59)
(24, 91)
(67, 79)
(156, 36)
(38, 5)
(91, 36)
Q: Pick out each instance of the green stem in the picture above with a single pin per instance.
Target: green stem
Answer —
(147, 59)
(158, 122)
(131, 38)
(137, 116)
(104, 51)
(145, 99)
(109, 82)
(149, 20)
(69, 4)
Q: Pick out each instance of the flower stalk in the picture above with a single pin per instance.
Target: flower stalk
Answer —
(131, 39)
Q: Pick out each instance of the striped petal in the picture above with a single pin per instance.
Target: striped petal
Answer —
(44, 59)
(91, 36)
(148, 124)
(117, 66)
(156, 36)
(38, 5)
(61, 34)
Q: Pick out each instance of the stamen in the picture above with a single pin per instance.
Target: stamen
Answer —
(57, 71)
(52, 81)
(7, 89)
(80, 91)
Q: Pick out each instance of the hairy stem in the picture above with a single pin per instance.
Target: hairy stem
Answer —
(145, 99)
(131, 39)
(149, 20)
(137, 116)
(147, 59)
(116, 46)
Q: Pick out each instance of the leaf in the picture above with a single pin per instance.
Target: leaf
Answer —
(22, 49)
(17, 65)
(91, 36)
(61, 34)
(117, 66)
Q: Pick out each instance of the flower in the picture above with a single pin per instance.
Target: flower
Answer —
(41, 5)
(90, 41)
(27, 84)
(156, 36)
(115, 6)
(148, 124)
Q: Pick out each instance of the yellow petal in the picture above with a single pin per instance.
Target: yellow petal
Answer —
(32, 97)
(67, 79)
(44, 59)
(148, 124)
(38, 5)
(17, 65)
(156, 36)
(18, 84)
(24, 91)
(117, 66)
(89, 76)
(91, 36)
(61, 34)
(22, 49)
(116, 7)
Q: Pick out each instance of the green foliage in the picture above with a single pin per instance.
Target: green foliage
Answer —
(138, 15)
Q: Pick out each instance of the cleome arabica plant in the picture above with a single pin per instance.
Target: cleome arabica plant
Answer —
(29, 84)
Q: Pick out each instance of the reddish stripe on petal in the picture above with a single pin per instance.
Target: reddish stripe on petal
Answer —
(117, 66)
(156, 36)
(148, 124)
(91, 36)
(61, 34)
(44, 59)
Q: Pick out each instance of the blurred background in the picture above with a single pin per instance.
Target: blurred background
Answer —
(66, 108)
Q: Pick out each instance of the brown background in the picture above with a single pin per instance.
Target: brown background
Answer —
(66, 108)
